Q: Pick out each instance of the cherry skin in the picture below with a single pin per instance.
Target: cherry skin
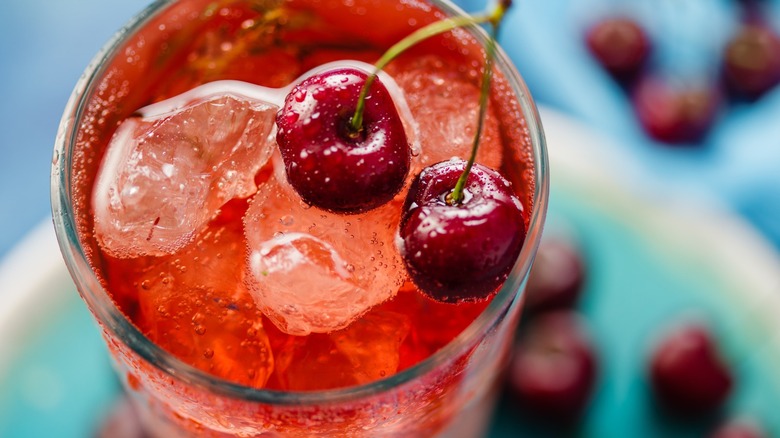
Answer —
(675, 114)
(687, 374)
(557, 276)
(620, 45)
(460, 252)
(751, 61)
(330, 166)
(554, 367)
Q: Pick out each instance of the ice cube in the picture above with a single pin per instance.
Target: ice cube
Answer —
(166, 173)
(195, 305)
(372, 344)
(365, 351)
(445, 104)
(315, 271)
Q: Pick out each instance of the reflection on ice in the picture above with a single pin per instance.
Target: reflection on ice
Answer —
(169, 170)
(315, 271)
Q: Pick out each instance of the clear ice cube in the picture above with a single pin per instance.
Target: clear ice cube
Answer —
(365, 351)
(315, 271)
(169, 170)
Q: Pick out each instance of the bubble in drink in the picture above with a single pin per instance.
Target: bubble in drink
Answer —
(365, 351)
(446, 102)
(194, 304)
(169, 170)
(372, 344)
(315, 271)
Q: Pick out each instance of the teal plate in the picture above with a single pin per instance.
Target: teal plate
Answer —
(652, 259)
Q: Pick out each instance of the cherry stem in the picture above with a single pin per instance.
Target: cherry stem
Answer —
(421, 34)
(456, 197)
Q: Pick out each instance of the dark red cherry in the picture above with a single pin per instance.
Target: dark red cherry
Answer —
(751, 61)
(675, 113)
(557, 276)
(328, 164)
(739, 428)
(687, 373)
(620, 44)
(554, 367)
(460, 252)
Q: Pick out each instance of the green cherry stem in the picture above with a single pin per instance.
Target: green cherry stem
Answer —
(421, 34)
(456, 197)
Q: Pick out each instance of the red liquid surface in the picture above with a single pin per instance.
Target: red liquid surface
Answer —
(195, 303)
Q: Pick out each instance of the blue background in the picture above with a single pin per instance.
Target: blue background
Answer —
(737, 164)
(44, 47)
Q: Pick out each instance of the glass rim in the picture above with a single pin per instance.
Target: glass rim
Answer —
(112, 319)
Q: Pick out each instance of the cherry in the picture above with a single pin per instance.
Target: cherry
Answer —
(620, 45)
(557, 276)
(554, 368)
(344, 150)
(739, 428)
(331, 165)
(687, 373)
(457, 252)
(751, 61)
(675, 114)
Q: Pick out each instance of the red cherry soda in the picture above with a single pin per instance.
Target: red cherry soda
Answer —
(197, 354)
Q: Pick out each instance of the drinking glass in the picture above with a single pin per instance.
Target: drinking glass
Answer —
(451, 393)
